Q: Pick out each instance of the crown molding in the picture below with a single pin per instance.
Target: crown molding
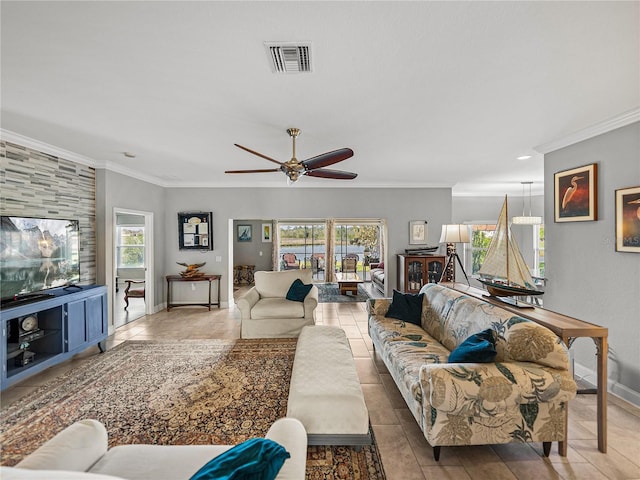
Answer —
(43, 147)
(613, 123)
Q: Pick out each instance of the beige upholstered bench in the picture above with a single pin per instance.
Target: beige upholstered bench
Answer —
(325, 393)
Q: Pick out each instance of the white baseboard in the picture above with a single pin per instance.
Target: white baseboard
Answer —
(614, 388)
(163, 306)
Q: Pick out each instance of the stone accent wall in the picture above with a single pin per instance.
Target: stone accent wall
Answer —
(35, 184)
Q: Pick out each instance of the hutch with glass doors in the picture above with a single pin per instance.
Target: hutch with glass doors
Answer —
(416, 270)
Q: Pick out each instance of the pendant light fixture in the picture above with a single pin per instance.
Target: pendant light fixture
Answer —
(526, 219)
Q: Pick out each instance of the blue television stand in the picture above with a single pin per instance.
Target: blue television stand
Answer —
(40, 333)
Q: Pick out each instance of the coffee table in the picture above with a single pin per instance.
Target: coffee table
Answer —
(348, 282)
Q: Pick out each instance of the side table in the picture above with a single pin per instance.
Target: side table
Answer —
(200, 278)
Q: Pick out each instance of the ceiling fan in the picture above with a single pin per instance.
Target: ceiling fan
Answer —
(312, 167)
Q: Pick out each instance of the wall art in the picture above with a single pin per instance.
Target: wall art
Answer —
(628, 220)
(576, 194)
(244, 233)
(266, 232)
(195, 231)
(418, 232)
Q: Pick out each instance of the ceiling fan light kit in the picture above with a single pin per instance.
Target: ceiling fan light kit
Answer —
(311, 167)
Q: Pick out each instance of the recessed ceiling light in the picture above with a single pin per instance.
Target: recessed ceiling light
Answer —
(524, 157)
(129, 154)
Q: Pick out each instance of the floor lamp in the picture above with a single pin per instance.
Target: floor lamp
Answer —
(452, 234)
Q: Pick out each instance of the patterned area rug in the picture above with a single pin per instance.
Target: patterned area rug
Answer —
(330, 293)
(169, 393)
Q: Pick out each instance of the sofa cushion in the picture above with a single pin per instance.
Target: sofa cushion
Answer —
(143, 462)
(277, 308)
(255, 459)
(276, 284)
(478, 348)
(298, 291)
(406, 307)
(491, 389)
(406, 347)
(451, 317)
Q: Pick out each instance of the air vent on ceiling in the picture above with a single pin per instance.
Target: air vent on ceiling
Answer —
(289, 57)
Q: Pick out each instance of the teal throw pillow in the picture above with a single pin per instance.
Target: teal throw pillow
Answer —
(255, 459)
(298, 290)
(478, 348)
(406, 307)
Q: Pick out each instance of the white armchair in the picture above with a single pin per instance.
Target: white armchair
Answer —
(265, 311)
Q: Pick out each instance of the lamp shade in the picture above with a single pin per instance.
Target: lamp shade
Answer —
(455, 234)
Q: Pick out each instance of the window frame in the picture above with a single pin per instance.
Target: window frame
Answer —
(120, 246)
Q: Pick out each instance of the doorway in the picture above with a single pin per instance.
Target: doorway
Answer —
(132, 265)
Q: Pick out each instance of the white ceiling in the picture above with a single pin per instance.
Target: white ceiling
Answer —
(425, 93)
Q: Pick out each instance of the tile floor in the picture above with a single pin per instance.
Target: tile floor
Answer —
(405, 453)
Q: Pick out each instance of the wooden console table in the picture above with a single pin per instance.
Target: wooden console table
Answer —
(568, 329)
(201, 278)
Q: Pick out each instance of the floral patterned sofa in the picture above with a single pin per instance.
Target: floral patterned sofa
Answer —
(520, 397)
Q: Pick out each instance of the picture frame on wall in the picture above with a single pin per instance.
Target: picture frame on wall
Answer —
(195, 231)
(576, 194)
(244, 233)
(266, 232)
(418, 232)
(628, 219)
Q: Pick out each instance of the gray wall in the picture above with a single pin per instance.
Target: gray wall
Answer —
(114, 190)
(588, 279)
(256, 252)
(397, 206)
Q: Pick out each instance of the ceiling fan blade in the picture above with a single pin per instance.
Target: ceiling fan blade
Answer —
(327, 173)
(258, 154)
(264, 170)
(326, 159)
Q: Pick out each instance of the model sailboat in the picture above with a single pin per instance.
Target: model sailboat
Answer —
(504, 271)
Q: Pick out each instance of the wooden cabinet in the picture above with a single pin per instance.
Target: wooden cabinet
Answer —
(416, 270)
(64, 322)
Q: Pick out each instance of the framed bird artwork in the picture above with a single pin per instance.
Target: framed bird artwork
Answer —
(628, 219)
(576, 194)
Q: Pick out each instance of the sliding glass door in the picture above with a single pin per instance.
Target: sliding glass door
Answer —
(323, 246)
(303, 245)
(360, 240)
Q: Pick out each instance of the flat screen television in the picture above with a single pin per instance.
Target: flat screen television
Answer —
(37, 254)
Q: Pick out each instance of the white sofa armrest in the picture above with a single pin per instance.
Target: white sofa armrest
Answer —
(311, 302)
(14, 473)
(291, 434)
(75, 448)
(247, 301)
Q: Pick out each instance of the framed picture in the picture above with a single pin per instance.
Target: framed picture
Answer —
(195, 231)
(266, 232)
(244, 233)
(418, 232)
(628, 220)
(576, 194)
